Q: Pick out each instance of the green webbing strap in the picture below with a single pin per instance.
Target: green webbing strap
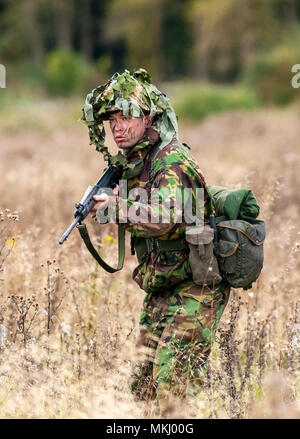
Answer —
(147, 245)
(121, 246)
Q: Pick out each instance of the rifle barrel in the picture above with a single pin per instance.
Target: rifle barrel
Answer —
(69, 230)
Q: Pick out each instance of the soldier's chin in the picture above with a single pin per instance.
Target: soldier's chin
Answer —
(123, 144)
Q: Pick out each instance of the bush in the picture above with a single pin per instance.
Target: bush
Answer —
(196, 101)
(66, 72)
(269, 74)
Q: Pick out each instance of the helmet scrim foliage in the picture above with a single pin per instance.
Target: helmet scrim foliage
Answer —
(133, 94)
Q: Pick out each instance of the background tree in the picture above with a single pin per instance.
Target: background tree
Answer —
(211, 40)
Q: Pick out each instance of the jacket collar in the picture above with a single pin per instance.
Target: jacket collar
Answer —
(136, 157)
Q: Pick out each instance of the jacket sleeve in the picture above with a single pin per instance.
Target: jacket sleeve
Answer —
(176, 199)
(158, 215)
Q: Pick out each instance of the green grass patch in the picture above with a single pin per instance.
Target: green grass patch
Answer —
(193, 101)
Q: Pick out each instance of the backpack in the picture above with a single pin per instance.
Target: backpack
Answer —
(238, 242)
(240, 251)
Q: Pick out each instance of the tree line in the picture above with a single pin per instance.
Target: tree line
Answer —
(211, 40)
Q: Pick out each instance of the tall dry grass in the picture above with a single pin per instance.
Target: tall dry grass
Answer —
(67, 328)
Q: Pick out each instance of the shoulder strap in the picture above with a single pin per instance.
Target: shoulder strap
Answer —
(121, 248)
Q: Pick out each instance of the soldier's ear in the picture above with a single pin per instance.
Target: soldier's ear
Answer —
(148, 121)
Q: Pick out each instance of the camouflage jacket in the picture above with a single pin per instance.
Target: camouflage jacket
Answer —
(174, 169)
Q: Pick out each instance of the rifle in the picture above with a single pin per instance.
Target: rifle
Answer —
(108, 180)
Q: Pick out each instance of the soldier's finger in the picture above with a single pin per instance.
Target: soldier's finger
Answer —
(116, 189)
(100, 205)
(101, 197)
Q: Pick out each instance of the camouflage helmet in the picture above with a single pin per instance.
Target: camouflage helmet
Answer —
(133, 94)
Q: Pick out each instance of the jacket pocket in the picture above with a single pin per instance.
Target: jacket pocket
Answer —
(204, 264)
(226, 252)
(164, 271)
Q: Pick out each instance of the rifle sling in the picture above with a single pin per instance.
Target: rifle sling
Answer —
(121, 248)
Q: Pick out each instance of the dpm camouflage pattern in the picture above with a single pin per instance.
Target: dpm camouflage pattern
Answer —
(179, 318)
(177, 329)
(174, 170)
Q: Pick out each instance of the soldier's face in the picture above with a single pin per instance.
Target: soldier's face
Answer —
(127, 132)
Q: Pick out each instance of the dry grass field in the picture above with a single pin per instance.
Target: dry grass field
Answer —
(67, 328)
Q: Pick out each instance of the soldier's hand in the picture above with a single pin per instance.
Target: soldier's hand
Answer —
(104, 199)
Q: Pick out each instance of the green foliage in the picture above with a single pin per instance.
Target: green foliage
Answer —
(69, 47)
(269, 74)
(31, 77)
(194, 101)
(66, 72)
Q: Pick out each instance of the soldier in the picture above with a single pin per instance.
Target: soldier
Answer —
(179, 317)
